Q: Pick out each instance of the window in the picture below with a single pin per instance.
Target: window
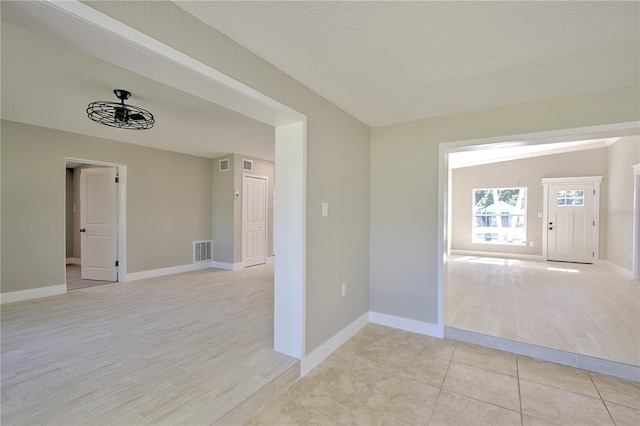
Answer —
(570, 197)
(500, 215)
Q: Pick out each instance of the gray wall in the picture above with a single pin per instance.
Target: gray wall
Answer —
(623, 155)
(522, 173)
(223, 211)
(404, 187)
(337, 247)
(168, 203)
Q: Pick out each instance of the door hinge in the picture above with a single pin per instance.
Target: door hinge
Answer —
(117, 263)
(594, 223)
(117, 179)
(593, 254)
(594, 192)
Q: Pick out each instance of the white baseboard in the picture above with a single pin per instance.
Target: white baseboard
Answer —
(32, 293)
(74, 261)
(406, 324)
(619, 269)
(236, 266)
(152, 273)
(310, 361)
(227, 266)
(534, 257)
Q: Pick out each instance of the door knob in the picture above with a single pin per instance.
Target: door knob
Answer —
(83, 230)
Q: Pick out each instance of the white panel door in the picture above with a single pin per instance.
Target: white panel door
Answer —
(571, 224)
(254, 220)
(98, 224)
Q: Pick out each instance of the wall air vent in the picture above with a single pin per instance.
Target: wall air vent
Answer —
(202, 251)
(224, 165)
(247, 165)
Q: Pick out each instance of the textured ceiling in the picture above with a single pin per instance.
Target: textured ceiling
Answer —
(48, 84)
(384, 62)
(389, 62)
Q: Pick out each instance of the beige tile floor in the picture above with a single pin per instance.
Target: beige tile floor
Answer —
(184, 348)
(585, 309)
(384, 376)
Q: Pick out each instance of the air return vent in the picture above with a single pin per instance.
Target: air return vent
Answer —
(224, 165)
(202, 251)
(247, 165)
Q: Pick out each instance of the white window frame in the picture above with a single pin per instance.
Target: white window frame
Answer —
(522, 198)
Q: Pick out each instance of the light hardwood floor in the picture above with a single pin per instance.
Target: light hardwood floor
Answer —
(185, 348)
(584, 309)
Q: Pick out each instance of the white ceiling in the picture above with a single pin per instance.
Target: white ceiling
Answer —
(383, 62)
(48, 84)
(390, 62)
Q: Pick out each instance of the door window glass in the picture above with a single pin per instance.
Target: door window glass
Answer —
(570, 197)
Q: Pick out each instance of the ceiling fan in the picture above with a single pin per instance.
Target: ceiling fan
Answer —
(119, 115)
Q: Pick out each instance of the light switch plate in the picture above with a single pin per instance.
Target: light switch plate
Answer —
(325, 209)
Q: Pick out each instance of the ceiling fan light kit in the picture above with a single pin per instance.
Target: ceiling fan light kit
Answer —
(119, 115)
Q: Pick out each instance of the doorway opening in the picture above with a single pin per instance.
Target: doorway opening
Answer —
(494, 270)
(95, 223)
(108, 39)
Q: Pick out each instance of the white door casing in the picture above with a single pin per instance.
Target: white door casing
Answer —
(254, 220)
(98, 223)
(571, 219)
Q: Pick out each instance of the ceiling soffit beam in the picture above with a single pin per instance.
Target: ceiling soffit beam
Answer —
(509, 151)
(92, 32)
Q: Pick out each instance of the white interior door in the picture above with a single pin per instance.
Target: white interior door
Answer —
(98, 224)
(571, 222)
(254, 220)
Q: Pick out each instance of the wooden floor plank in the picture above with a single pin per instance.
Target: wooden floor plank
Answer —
(186, 346)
